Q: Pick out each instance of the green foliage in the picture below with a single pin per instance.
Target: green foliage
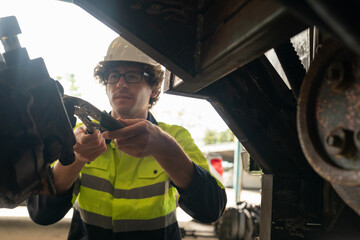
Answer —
(212, 137)
(70, 88)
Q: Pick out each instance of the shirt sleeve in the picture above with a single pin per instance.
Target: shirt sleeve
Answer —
(204, 200)
(46, 210)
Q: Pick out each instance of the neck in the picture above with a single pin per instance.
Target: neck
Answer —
(128, 116)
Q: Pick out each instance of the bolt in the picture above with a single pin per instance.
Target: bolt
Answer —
(335, 72)
(334, 141)
(335, 77)
(341, 144)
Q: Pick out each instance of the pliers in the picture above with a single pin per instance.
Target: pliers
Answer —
(87, 112)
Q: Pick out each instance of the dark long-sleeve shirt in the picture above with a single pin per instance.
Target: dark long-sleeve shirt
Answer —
(204, 200)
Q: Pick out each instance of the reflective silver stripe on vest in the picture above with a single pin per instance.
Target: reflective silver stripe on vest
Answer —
(96, 183)
(126, 225)
(94, 218)
(103, 185)
(144, 225)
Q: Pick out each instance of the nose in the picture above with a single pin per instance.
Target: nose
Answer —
(122, 83)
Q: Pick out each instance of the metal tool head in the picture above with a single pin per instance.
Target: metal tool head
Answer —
(91, 116)
(86, 112)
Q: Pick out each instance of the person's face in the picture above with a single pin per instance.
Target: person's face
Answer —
(129, 100)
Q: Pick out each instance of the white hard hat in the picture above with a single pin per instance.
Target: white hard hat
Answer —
(122, 50)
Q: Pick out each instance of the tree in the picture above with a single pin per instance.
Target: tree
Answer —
(70, 85)
(212, 136)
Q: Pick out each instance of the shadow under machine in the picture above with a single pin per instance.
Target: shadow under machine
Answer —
(304, 132)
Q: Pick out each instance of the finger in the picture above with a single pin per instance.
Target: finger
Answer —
(89, 157)
(86, 145)
(135, 150)
(87, 154)
(79, 131)
(86, 139)
(130, 121)
(131, 131)
(138, 140)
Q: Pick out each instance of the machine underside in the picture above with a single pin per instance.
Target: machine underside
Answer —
(302, 129)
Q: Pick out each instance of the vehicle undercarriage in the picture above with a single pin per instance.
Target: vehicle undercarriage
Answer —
(302, 129)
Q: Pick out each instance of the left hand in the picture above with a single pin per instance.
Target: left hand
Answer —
(140, 138)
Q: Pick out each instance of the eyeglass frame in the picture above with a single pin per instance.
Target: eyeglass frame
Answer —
(124, 75)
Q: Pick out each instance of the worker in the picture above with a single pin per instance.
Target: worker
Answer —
(127, 183)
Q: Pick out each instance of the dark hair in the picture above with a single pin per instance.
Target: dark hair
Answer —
(155, 79)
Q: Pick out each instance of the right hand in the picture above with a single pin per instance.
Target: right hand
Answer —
(88, 146)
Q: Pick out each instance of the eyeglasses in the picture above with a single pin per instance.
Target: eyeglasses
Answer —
(130, 77)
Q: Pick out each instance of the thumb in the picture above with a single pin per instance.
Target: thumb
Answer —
(79, 130)
(129, 121)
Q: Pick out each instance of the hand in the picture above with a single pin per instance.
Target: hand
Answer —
(140, 138)
(88, 146)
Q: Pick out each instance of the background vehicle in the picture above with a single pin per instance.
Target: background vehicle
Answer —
(215, 162)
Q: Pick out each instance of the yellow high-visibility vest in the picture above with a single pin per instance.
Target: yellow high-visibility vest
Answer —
(125, 193)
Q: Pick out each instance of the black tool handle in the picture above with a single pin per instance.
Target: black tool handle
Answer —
(110, 123)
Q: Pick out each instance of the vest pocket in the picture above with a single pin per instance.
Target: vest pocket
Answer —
(102, 162)
(149, 168)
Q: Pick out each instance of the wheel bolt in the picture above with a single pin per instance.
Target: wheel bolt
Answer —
(333, 141)
(334, 75)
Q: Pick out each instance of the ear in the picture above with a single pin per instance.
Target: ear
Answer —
(155, 93)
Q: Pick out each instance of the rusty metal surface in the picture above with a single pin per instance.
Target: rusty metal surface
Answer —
(183, 36)
(244, 37)
(337, 111)
(212, 18)
(329, 120)
(328, 115)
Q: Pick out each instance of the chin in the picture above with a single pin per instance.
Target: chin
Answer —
(123, 112)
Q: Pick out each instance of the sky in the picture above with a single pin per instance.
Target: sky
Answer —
(71, 41)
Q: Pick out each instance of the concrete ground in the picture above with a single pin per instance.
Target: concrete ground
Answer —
(16, 228)
(25, 229)
(15, 224)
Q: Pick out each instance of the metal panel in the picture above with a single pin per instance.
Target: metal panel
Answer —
(266, 206)
(183, 37)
